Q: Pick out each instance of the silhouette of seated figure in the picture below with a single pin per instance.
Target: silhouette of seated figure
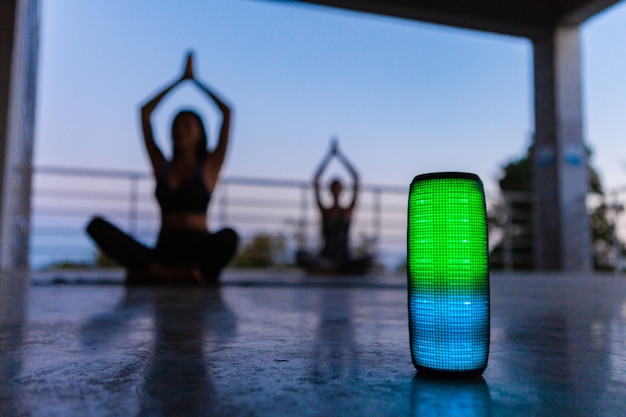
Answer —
(335, 254)
(186, 251)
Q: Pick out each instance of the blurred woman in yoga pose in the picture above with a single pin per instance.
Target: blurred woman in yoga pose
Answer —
(186, 252)
(335, 255)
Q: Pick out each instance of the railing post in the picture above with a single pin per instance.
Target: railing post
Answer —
(302, 222)
(133, 204)
(376, 219)
(617, 246)
(507, 241)
(223, 204)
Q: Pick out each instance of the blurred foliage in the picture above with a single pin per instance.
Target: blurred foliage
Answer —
(66, 264)
(264, 250)
(365, 246)
(401, 268)
(517, 177)
(102, 260)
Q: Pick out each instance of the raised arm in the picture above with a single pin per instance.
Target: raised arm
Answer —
(216, 157)
(355, 177)
(320, 171)
(218, 154)
(154, 152)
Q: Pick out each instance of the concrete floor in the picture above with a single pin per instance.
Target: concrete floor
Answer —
(274, 344)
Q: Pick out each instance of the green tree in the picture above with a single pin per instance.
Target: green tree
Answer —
(517, 179)
(103, 260)
(515, 215)
(264, 250)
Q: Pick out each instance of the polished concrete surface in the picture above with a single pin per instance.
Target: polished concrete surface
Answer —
(273, 344)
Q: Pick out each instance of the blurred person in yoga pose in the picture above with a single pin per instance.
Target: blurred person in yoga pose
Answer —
(335, 255)
(186, 251)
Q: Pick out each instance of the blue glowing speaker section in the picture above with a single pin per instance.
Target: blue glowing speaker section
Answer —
(448, 274)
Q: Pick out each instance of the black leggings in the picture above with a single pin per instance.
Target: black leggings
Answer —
(208, 251)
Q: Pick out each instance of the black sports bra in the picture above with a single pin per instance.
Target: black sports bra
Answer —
(190, 197)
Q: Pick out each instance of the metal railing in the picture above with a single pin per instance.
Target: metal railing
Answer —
(64, 199)
(511, 218)
(615, 201)
(510, 224)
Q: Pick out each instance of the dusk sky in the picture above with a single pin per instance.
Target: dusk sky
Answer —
(403, 97)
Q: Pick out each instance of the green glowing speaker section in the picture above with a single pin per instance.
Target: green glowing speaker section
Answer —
(447, 226)
(448, 275)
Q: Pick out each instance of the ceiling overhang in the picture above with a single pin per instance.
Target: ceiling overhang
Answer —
(527, 18)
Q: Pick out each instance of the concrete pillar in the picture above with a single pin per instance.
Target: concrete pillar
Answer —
(19, 31)
(562, 235)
